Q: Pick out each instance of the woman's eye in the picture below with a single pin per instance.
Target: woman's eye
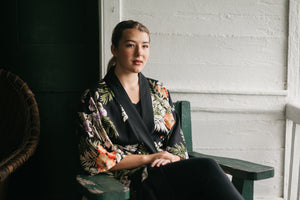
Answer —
(145, 46)
(129, 45)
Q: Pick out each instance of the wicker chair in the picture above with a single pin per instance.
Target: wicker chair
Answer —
(19, 123)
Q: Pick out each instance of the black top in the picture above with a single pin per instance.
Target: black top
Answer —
(138, 107)
(143, 122)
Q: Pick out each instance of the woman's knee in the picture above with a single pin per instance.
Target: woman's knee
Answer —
(210, 165)
(208, 162)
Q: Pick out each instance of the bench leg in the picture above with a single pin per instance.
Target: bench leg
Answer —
(245, 187)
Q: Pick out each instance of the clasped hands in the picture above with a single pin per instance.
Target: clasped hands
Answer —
(155, 160)
(163, 158)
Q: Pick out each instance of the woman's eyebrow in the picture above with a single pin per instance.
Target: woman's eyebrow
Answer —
(135, 41)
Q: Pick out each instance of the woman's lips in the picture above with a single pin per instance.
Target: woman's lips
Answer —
(138, 62)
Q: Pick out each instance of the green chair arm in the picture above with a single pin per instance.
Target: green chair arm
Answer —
(104, 187)
(240, 169)
(101, 187)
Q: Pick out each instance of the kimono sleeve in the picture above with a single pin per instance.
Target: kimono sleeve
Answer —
(96, 151)
(175, 143)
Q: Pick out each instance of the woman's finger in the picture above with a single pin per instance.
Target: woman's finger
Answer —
(165, 162)
(154, 163)
(160, 162)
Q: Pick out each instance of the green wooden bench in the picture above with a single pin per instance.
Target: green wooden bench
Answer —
(102, 187)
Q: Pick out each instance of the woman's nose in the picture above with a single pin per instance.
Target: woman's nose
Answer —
(139, 51)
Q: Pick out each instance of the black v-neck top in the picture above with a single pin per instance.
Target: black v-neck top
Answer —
(138, 107)
(142, 123)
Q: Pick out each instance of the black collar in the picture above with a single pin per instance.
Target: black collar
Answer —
(142, 126)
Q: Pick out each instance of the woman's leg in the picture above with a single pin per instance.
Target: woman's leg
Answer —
(198, 178)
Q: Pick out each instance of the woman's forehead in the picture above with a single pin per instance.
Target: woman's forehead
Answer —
(135, 35)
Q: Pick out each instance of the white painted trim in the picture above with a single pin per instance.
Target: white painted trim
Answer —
(230, 92)
(101, 54)
(245, 149)
(293, 112)
(288, 143)
(294, 49)
(110, 15)
(238, 110)
(291, 163)
(293, 84)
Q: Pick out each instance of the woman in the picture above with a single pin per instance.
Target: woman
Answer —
(129, 129)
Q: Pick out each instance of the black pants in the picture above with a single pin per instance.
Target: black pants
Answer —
(196, 178)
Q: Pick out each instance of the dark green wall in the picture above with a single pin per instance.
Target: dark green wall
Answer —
(53, 46)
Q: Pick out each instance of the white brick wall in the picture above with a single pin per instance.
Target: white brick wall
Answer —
(229, 58)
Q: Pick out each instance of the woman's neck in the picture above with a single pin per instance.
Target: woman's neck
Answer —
(130, 82)
(127, 79)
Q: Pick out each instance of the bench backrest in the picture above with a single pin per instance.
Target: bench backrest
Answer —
(183, 109)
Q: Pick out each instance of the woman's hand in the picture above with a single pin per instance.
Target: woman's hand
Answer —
(160, 162)
(157, 159)
(163, 158)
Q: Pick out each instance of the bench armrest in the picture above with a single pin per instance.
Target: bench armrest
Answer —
(104, 187)
(101, 187)
(240, 169)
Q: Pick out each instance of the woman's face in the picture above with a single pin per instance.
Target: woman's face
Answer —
(133, 51)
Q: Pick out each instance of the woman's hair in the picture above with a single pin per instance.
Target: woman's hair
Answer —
(117, 35)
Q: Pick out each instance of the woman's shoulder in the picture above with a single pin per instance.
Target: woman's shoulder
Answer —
(158, 87)
(95, 89)
(156, 83)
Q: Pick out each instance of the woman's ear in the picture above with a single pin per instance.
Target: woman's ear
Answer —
(114, 50)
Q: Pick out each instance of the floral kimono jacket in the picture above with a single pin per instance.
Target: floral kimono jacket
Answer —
(111, 127)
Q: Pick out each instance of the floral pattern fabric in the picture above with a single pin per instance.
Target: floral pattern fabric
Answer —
(106, 133)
